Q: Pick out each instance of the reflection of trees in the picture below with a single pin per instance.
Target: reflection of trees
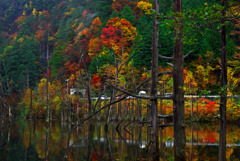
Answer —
(30, 141)
(235, 155)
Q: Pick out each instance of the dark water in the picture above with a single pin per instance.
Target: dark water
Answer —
(25, 141)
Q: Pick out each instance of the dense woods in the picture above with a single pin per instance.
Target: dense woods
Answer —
(75, 59)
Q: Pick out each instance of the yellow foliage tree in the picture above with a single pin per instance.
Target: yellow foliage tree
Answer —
(146, 7)
(34, 12)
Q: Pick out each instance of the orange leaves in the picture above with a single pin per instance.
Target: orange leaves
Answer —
(144, 77)
(84, 34)
(94, 46)
(27, 97)
(20, 19)
(46, 14)
(71, 67)
(118, 35)
(96, 23)
(39, 35)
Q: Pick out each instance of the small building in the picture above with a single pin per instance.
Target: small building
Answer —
(141, 93)
(77, 90)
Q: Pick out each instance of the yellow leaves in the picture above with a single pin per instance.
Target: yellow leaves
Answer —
(34, 12)
(190, 82)
(20, 40)
(91, 55)
(24, 13)
(232, 80)
(146, 7)
(70, 12)
(80, 26)
(94, 46)
(75, 22)
(27, 97)
(234, 11)
(51, 38)
(26, 5)
(56, 102)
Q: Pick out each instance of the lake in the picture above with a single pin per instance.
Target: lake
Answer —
(22, 140)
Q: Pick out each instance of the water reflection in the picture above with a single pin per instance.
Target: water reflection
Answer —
(23, 140)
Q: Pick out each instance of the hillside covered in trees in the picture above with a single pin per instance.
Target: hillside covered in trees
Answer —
(92, 41)
(89, 42)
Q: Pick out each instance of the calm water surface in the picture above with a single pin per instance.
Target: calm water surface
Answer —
(27, 141)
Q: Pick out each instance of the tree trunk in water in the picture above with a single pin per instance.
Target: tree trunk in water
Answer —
(222, 120)
(154, 71)
(30, 117)
(178, 92)
(48, 109)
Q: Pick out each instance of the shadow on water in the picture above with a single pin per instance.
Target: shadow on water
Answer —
(23, 140)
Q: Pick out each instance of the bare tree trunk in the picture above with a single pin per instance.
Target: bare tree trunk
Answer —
(154, 71)
(48, 109)
(30, 117)
(178, 83)
(222, 120)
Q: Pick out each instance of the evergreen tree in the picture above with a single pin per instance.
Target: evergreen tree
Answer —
(22, 67)
(142, 50)
(127, 14)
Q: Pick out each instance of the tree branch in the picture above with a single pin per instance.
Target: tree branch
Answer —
(137, 96)
(171, 58)
(165, 57)
(98, 111)
(187, 54)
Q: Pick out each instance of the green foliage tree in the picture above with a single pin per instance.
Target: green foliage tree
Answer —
(22, 69)
(127, 14)
(142, 50)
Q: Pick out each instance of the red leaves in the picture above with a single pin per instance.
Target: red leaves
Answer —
(96, 80)
(184, 73)
(118, 30)
(118, 5)
(210, 138)
(62, 4)
(210, 106)
(84, 14)
(110, 36)
(210, 110)
(144, 77)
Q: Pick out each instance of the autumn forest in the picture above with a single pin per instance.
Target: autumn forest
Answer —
(156, 63)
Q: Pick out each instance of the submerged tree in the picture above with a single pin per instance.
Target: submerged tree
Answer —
(178, 82)
(223, 103)
(154, 70)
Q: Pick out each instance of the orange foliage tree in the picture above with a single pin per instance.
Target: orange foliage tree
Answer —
(119, 35)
